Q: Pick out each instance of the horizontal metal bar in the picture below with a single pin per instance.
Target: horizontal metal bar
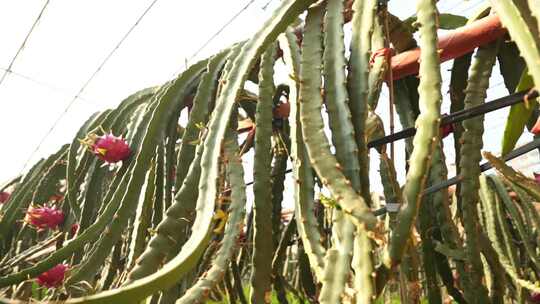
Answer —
(461, 115)
(483, 167)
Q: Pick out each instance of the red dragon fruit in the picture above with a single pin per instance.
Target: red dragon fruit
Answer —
(446, 130)
(537, 177)
(52, 277)
(44, 217)
(110, 148)
(536, 128)
(4, 196)
(535, 297)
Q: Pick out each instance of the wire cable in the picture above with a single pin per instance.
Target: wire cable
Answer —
(216, 34)
(23, 44)
(85, 85)
(45, 84)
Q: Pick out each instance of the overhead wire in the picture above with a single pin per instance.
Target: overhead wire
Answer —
(85, 85)
(219, 31)
(44, 84)
(25, 41)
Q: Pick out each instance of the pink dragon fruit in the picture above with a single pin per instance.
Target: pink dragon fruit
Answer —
(52, 277)
(446, 129)
(4, 196)
(44, 217)
(537, 177)
(110, 148)
(535, 297)
(536, 128)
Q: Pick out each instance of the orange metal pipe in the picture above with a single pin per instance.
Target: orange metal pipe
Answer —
(452, 45)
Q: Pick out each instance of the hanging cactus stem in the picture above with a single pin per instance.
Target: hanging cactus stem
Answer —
(148, 202)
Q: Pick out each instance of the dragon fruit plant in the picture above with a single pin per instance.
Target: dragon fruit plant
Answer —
(44, 217)
(109, 148)
(4, 197)
(173, 224)
(53, 277)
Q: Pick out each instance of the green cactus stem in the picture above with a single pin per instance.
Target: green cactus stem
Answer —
(471, 145)
(346, 154)
(22, 196)
(199, 115)
(302, 172)
(489, 202)
(528, 185)
(318, 148)
(358, 82)
(380, 64)
(172, 97)
(520, 26)
(427, 130)
(143, 216)
(262, 188)
(516, 219)
(193, 248)
(236, 213)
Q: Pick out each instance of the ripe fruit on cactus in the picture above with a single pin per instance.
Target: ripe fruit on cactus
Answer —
(110, 148)
(44, 217)
(52, 277)
(537, 177)
(535, 297)
(536, 128)
(4, 196)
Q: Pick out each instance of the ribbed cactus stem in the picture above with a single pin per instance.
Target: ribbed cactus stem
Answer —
(358, 82)
(429, 257)
(302, 172)
(443, 214)
(528, 207)
(380, 64)
(346, 153)
(318, 148)
(519, 29)
(491, 220)
(236, 211)
(150, 138)
(427, 130)
(363, 265)
(194, 247)
(471, 145)
(517, 220)
(142, 220)
(528, 185)
(166, 243)
(533, 6)
(263, 246)
(199, 114)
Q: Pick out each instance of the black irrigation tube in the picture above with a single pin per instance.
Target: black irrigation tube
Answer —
(456, 117)
(462, 115)
(483, 167)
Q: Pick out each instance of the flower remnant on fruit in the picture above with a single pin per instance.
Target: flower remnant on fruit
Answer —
(44, 217)
(108, 147)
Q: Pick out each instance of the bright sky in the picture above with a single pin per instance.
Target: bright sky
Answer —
(73, 38)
